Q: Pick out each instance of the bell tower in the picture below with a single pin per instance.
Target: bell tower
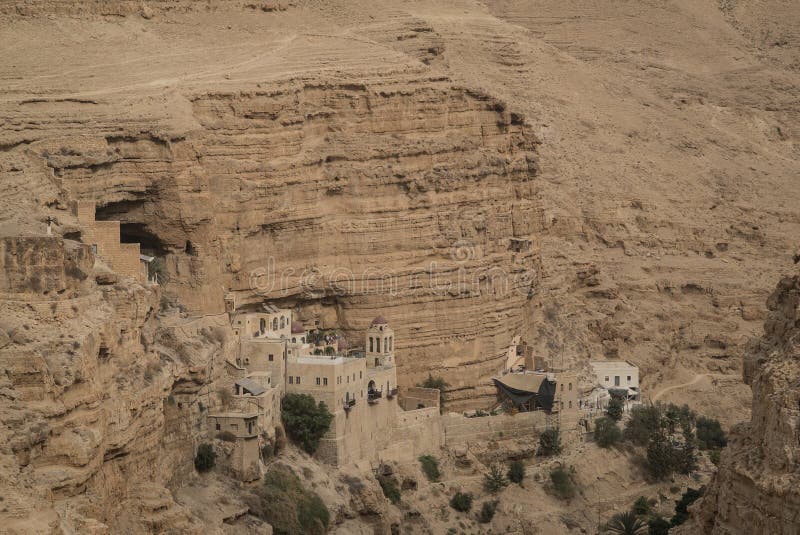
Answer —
(379, 343)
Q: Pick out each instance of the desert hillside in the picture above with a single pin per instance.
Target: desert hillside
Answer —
(611, 180)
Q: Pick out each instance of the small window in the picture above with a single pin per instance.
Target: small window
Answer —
(562, 387)
(318, 381)
(291, 380)
(218, 426)
(360, 375)
(570, 404)
(606, 378)
(570, 387)
(94, 248)
(297, 380)
(629, 378)
(324, 381)
(271, 358)
(348, 379)
(247, 360)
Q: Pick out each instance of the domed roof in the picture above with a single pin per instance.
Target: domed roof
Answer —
(380, 320)
(297, 327)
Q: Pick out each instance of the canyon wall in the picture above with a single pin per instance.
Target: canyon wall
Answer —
(757, 487)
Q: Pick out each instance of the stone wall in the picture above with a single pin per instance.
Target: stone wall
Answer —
(42, 265)
(416, 397)
(416, 433)
(459, 429)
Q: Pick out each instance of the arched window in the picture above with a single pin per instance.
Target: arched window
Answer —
(371, 386)
(379, 345)
(294, 340)
(283, 322)
(385, 345)
(391, 343)
(302, 339)
(263, 325)
(274, 324)
(370, 344)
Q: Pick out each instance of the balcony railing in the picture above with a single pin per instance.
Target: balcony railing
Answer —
(392, 393)
(374, 395)
(349, 404)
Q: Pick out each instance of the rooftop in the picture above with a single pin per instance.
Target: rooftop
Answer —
(245, 415)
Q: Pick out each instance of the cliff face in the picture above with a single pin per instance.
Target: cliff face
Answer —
(757, 488)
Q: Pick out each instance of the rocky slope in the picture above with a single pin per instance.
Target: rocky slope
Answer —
(757, 488)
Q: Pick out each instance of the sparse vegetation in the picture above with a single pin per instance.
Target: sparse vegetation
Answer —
(626, 523)
(550, 442)
(439, 384)
(665, 456)
(615, 409)
(657, 525)
(494, 480)
(562, 484)
(681, 506)
(461, 501)
(710, 435)
(516, 472)
(305, 420)
(289, 507)
(606, 432)
(430, 466)
(205, 458)
(390, 488)
(641, 506)
(488, 509)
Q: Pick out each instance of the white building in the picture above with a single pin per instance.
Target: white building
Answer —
(617, 375)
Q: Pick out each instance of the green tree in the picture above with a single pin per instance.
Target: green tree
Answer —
(657, 526)
(305, 420)
(516, 472)
(641, 506)
(615, 409)
(644, 423)
(562, 483)
(487, 511)
(606, 432)
(550, 442)
(205, 458)
(461, 501)
(710, 435)
(494, 481)
(626, 523)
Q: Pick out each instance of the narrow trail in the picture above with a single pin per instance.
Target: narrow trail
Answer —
(696, 380)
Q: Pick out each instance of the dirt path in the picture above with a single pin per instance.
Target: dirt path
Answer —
(664, 390)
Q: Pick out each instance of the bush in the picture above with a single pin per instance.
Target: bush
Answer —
(205, 458)
(550, 442)
(644, 423)
(665, 456)
(710, 435)
(439, 384)
(626, 523)
(615, 409)
(606, 432)
(494, 481)
(562, 483)
(488, 509)
(283, 502)
(305, 420)
(658, 526)
(682, 505)
(641, 506)
(461, 501)
(516, 472)
(329, 350)
(390, 488)
(430, 465)
(714, 456)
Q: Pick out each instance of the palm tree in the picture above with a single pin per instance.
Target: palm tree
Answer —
(626, 523)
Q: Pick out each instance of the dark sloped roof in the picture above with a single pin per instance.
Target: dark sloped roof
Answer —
(251, 386)
(379, 320)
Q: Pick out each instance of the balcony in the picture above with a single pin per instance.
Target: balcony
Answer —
(349, 404)
(373, 396)
(392, 393)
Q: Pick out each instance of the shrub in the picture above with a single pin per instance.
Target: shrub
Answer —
(430, 466)
(205, 458)
(283, 502)
(614, 409)
(641, 506)
(626, 523)
(644, 423)
(439, 384)
(675, 415)
(550, 442)
(329, 350)
(682, 505)
(516, 472)
(665, 456)
(488, 509)
(494, 481)
(658, 526)
(461, 501)
(390, 488)
(710, 435)
(714, 456)
(606, 432)
(562, 483)
(305, 420)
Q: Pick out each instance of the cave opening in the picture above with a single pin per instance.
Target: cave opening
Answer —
(140, 233)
